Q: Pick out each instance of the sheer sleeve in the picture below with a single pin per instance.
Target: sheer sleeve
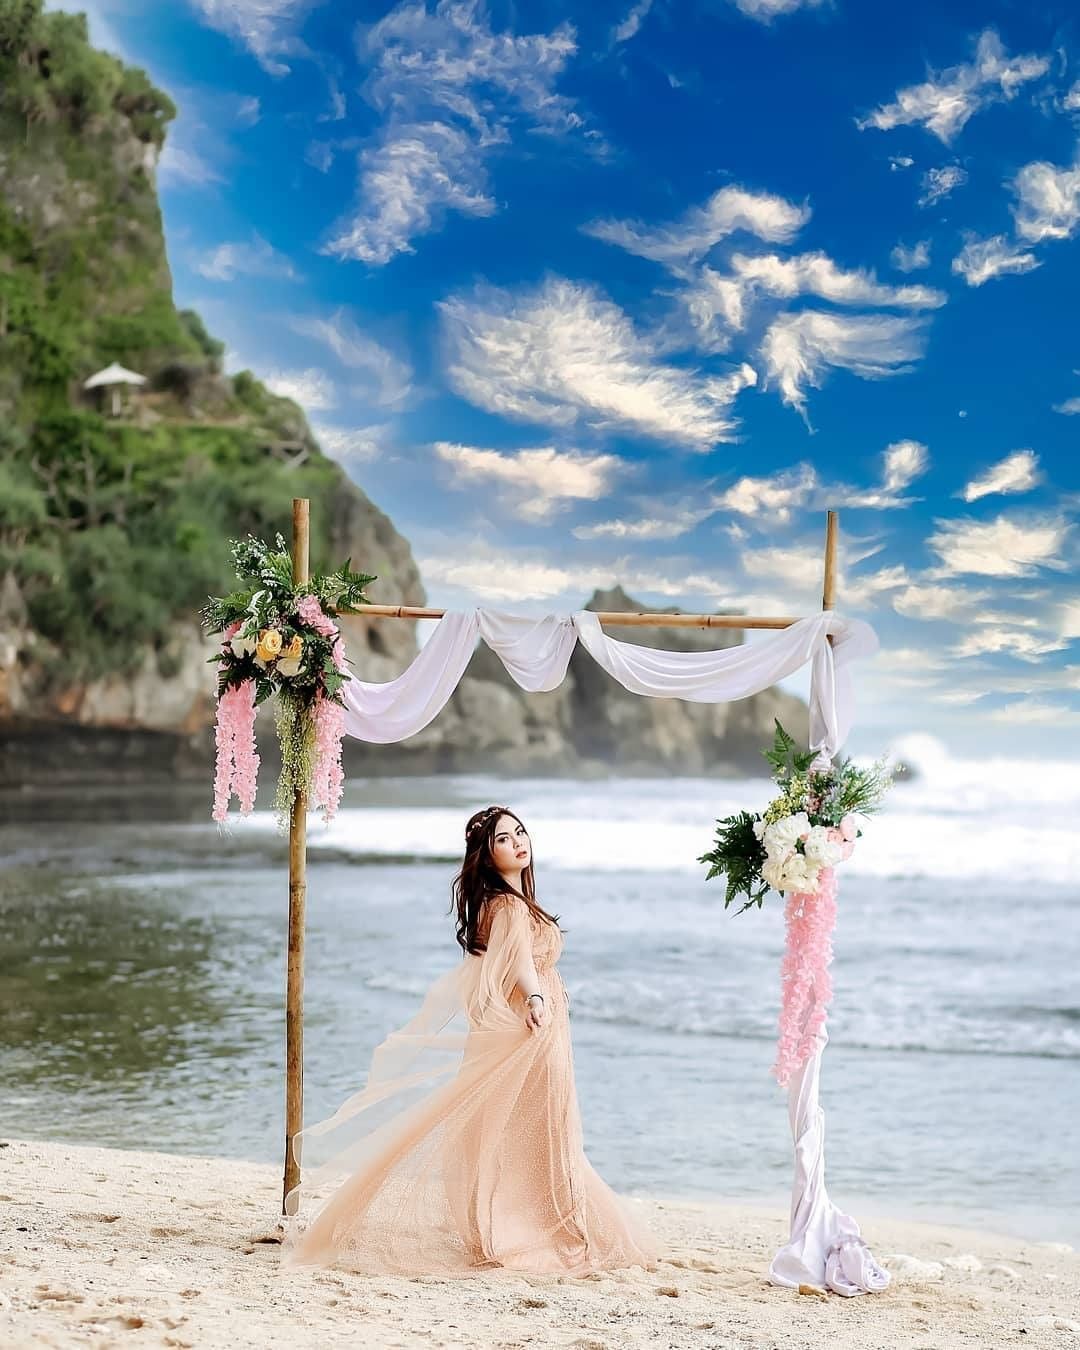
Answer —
(509, 946)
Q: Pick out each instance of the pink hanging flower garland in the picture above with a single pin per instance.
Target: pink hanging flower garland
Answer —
(236, 767)
(804, 974)
(328, 775)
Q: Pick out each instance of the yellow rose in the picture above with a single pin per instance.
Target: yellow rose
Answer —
(269, 644)
(294, 650)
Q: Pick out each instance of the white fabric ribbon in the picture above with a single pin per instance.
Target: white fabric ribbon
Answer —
(536, 653)
(825, 1247)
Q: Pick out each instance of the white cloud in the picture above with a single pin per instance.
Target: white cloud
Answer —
(775, 497)
(899, 162)
(1029, 712)
(991, 641)
(981, 260)
(564, 353)
(1071, 101)
(266, 27)
(817, 274)
(248, 111)
(911, 259)
(797, 570)
(1071, 407)
(388, 379)
(670, 525)
(1002, 547)
(452, 89)
(938, 602)
(181, 167)
(256, 258)
(903, 462)
(351, 444)
(313, 389)
(406, 185)
(799, 349)
(1069, 620)
(798, 565)
(532, 484)
(945, 102)
(629, 27)
(766, 10)
(716, 307)
(862, 591)
(1048, 201)
(700, 229)
(937, 184)
(1018, 472)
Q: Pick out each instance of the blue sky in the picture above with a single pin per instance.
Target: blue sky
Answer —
(635, 291)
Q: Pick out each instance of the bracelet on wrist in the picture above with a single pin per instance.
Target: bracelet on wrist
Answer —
(532, 996)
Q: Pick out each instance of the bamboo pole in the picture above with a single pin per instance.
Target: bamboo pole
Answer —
(612, 617)
(828, 589)
(828, 592)
(294, 988)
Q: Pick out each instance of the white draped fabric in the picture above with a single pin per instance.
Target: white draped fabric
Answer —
(536, 653)
(824, 1248)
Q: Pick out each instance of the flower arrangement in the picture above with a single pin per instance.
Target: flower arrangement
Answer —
(809, 827)
(280, 638)
(793, 848)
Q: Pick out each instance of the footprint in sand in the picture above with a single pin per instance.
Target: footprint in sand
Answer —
(120, 1321)
(46, 1294)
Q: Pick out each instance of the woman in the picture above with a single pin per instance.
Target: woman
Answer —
(463, 1152)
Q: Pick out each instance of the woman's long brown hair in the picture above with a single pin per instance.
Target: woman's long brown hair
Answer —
(479, 880)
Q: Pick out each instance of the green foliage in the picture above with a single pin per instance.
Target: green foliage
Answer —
(209, 346)
(18, 20)
(784, 757)
(738, 853)
(251, 395)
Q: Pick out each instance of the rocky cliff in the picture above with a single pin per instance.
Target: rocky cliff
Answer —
(115, 528)
(115, 521)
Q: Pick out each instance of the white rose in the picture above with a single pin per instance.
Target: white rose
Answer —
(772, 872)
(243, 646)
(787, 830)
(759, 827)
(801, 875)
(820, 848)
(289, 668)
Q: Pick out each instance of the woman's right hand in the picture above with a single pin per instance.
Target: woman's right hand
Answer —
(536, 1012)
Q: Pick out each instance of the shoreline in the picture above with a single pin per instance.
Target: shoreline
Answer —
(108, 1246)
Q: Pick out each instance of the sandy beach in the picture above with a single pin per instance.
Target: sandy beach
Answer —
(109, 1247)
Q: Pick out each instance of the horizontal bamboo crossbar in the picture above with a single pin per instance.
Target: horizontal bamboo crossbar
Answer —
(613, 617)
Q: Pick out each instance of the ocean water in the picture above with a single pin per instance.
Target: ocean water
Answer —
(143, 972)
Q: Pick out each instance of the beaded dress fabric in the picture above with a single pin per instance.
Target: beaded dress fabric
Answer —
(463, 1153)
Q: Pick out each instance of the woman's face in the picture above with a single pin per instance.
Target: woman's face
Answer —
(511, 850)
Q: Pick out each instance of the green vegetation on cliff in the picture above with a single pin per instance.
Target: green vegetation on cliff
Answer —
(115, 527)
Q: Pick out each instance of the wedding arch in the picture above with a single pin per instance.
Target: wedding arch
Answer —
(824, 1246)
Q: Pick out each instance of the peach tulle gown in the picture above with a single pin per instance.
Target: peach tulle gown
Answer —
(463, 1152)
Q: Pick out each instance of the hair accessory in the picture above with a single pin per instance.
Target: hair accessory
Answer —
(481, 819)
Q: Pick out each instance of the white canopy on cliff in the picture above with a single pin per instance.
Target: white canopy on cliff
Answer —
(114, 374)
